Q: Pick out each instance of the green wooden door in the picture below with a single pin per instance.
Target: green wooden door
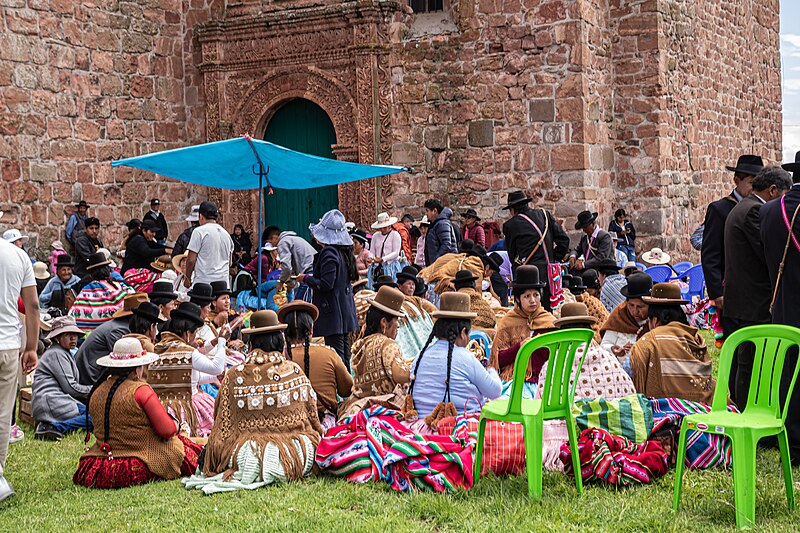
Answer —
(304, 126)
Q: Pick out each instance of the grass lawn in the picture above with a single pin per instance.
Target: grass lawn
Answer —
(46, 500)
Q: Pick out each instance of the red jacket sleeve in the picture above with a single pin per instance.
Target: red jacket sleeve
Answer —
(163, 425)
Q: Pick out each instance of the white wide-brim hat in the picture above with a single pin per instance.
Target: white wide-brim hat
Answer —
(13, 235)
(656, 256)
(127, 353)
(384, 221)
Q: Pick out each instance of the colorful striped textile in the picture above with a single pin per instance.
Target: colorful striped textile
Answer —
(97, 302)
(616, 460)
(630, 417)
(374, 445)
(703, 450)
(141, 279)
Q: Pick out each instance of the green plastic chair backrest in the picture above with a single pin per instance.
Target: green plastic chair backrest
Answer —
(771, 342)
(562, 345)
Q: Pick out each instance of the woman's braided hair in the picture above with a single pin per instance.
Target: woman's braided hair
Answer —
(299, 327)
(122, 374)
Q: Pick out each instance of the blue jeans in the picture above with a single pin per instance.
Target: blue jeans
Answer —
(628, 249)
(75, 423)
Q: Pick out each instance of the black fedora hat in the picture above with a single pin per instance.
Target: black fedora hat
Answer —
(487, 259)
(360, 235)
(149, 311)
(516, 199)
(527, 277)
(82, 203)
(219, 288)
(409, 273)
(471, 213)
(748, 164)
(163, 288)
(464, 278)
(585, 218)
(96, 260)
(385, 281)
(189, 311)
(64, 260)
(201, 293)
(590, 278)
(793, 167)
(639, 284)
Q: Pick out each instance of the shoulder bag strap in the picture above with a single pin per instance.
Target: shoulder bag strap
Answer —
(542, 235)
(789, 239)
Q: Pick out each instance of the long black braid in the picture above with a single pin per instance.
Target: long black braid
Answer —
(419, 360)
(121, 377)
(299, 327)
(443, 328)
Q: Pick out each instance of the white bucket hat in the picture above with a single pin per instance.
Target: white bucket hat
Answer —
(127, 353)
(194, 215)
(384, 221)
(13, 235)
(656, 256)
(331, 229)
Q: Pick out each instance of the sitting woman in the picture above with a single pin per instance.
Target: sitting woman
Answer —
(526, 320)
(181, 368)
(165, 297)
(600, 376)
(221, 319)
(416, 325)
(321, 364)
(58, 399)
(628, 321)
(464, 282)
(136, 440)
(380, 373)
(101, 298)
(434, 398)
(267, 429)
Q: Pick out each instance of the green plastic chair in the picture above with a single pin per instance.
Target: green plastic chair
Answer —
(761, 417)
(556, 402)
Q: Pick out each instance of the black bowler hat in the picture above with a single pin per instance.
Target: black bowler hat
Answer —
(793, 167)
(471, 213)
(566, 279)
(607, 267)
(96, 260)
(467, 246)
(639, 284)
(464, 278)
(576, 285)
(201, 293)
(148, 311)
(517, 199)
(748, 164)
(420, 288)
(163, 289)
(218, 288)
(360, 235)
(189, 311)
(585, 218)
(487, 258)
(409, 273)
(64, 260)
(527, 277)
(385, 281)
(590, 279)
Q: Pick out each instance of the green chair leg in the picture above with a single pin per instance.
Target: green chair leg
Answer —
(679, 466)
(479, 451)
(786, 466)
(572, 432)
(744, 477)
(533, 456)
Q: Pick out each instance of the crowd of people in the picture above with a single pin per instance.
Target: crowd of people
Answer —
(208, 359)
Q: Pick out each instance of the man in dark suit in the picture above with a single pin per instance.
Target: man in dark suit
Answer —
(748, 290)
(596, 246)
(533, 237)
(162, 231)
(776, 216)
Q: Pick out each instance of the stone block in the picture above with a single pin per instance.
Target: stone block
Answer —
(43, 173)
(435, 138)
(405, 154)
(542, 110)
(568, 157)
(481, 133)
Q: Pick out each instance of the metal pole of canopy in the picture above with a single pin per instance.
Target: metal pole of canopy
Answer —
(259, 169)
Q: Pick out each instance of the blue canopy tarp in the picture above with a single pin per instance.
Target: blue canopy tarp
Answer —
(233, 164)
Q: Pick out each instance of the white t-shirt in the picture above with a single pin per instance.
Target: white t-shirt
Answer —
(214, 247)
(16, 272)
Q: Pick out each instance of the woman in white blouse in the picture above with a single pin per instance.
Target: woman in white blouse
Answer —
(385, 250)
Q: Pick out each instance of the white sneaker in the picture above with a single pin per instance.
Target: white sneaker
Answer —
(16, 434)
(6, 489)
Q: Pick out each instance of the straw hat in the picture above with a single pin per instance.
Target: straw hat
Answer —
(159, 265)
(389, 300)
(384, 221)
(40, 271)
(454, 305)
(63, 324)
(665, 294)
(298, 305)
(264, 322)
(423, 221)
(131, 302)
(127, 353)
(176, 262)
(656, 256)
(574, 313)
(331, 229)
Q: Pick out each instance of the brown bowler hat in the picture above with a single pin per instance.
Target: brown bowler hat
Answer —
(454, 305)
(389, 301)
(665, 294)
(131, 302)
(574, 313)
(298, 305)
(264, 322)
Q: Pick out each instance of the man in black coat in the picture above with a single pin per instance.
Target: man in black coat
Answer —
(162, 230)
(596, 246)
(748, 289)
(775, 217)
(533, 237)
(86, 244)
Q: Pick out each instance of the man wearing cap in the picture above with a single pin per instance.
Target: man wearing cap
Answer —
(162, 230)
(712, 253)
(210, 249)
(671, 360)
(473, 228)
(782, 255)
(59, 400)
(87, 243)
(77, 221)
(64, 279)
(596, 245)
(533, 237)
(183, 239)
(100, 341)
